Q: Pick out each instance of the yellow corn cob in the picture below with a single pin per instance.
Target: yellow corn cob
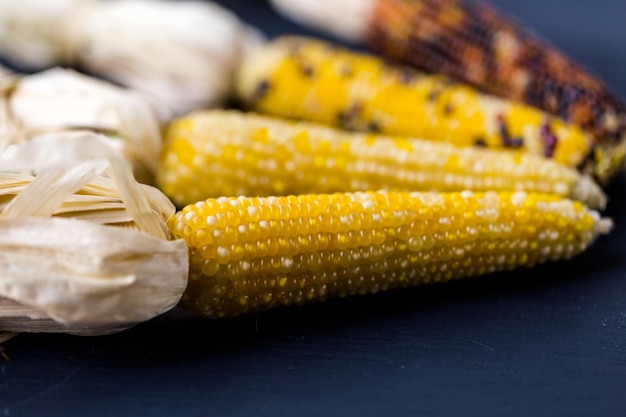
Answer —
(308, 79)
(216, 153)
(249, 254)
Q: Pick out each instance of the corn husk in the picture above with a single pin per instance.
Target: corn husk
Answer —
(346, 19)
(81, 252)
(182, 52)
(60, 99)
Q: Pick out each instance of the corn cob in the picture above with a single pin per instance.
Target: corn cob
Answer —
(307, 79)
(250, 254)
(216, 153)
(474, 42)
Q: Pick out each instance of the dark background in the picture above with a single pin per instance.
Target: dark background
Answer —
(543, 342)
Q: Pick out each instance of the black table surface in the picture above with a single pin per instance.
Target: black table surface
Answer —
(543, 342)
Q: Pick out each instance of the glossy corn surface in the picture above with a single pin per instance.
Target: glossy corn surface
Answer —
(250, 254)
(302, 78)
(474, 42)
(216, 153)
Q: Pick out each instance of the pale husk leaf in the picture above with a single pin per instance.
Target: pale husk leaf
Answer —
(66, 274)
(97, 203)
(78, 273)
(33, 33)
(60, 100)
(86, 154)
(345, 19)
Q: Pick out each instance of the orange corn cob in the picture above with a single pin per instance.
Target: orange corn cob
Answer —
(250, 254)
(317, 81)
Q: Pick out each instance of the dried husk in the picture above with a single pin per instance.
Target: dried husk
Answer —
(345, 19)
(60, 100)
(182, 52)
(80, 252)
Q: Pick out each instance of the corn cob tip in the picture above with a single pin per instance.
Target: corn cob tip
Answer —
(589, 191)
(603, 226)
(346, 19)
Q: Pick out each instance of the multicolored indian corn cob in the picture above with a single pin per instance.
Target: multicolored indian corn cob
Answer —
(308, 79)
(472, 41)
(215, 153)
(250, 254)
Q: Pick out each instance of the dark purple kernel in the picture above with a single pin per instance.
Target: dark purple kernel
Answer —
(480, 143)
(406, 76)
(597, 110)
(261, 90)
(505, 136)
(433, 95)
(562, 97)
(343, 118)
(516, 142)
(535, 93)
(306, 70)
(572, 93)
(349, 118)
(374, 127)
(549, 140)
(438, 51)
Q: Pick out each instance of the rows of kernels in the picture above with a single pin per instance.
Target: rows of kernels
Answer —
(316, 81)
(491, 52)
(365, 242)
(230, 153)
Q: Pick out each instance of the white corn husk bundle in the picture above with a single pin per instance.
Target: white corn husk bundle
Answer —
(60, 99)
(80, 252)
(182, 52)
